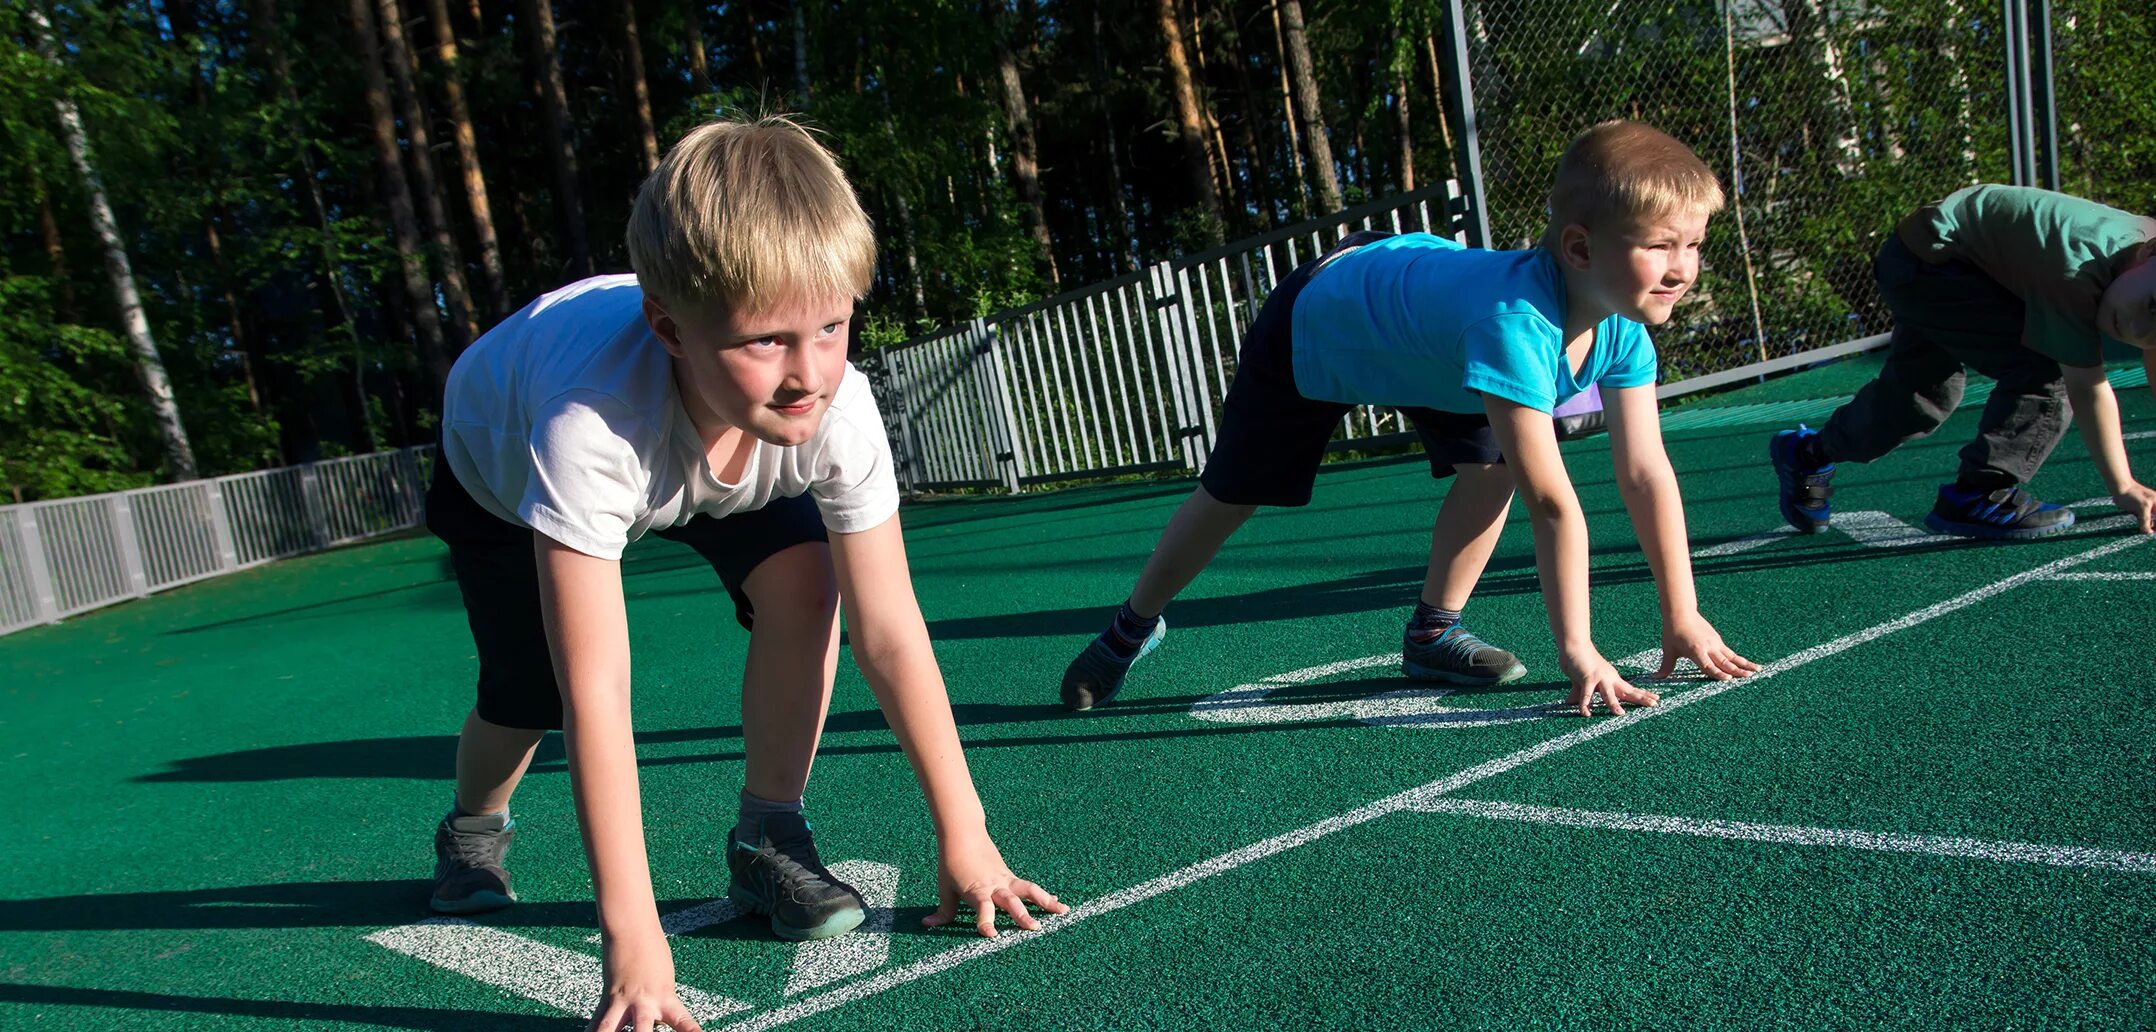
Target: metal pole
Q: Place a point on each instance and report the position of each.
(2017, 92)
(1458, 72)
(2043, 100)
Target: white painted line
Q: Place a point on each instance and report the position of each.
(975, 949)
(2122, 575)
(820, 963)
(2138, 435)
(2087, 503)
(1410, 707)
(1744, 544)
(1885, 842)
(562, 979)
(1879, 530)
(696, 918)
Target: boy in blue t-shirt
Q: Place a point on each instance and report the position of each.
(1475, 348)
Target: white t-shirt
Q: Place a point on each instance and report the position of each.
(565, 418)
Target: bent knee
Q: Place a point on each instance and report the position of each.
(794, 584)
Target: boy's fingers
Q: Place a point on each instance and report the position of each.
(1042, 898)
(984, 912)
(607, 1020)
(946, 909)
(1610, 699)
(678, 1019)
(1669, 664)
(1015, 905)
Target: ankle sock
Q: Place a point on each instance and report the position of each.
(748, 827)
(1429, 622)
(1812, 452)
(1128, 631)
(465, 821)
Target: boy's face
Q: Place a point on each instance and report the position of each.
(770, 373)
(2128, 309)
(1638, 268)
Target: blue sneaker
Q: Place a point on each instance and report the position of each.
(1094, 678)
(1457, 657)
(1806, 490)
(2008, 512)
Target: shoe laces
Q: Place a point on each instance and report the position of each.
(475, 848)
(792, 875)
(1458, 644)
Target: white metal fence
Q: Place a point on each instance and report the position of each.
(68, 555)
(1122, 377)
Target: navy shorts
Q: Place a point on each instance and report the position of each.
(498, 574)
(1271, 439)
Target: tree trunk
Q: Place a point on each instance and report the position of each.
(801, 53)
(1216, 142)
(1190, 126)
(181, 15)
(756, 42)
(268, 33)
(1437, 93)
(397, 194)
(1306, 101)
(1287, 111)
(475, 180)
(413, 108)
(1025, 161)
(632, 49)
(1125, 234)
(544, 61)
(699, 58)
(48, 228)
(1403, 67)
(149, 364)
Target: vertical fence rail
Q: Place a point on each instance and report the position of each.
(66, 556)
(1124, 377)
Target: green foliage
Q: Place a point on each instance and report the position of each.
(1848, 112)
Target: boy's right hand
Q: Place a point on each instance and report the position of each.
(1592, 677)
(639, 993)
(2139, 502)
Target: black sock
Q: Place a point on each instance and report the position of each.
(1429, 622)
(1812, 451)
(1984, 481)
(1128, 631)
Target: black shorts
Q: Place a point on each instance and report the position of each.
(1271, 438)
(498, 574)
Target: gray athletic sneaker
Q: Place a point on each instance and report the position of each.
(1457, 657)
(780, 875)
(1094, 678)
(468, 855)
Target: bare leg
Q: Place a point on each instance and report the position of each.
(490, 761)
(1193, 537)
(784, 696)
(1468, 526)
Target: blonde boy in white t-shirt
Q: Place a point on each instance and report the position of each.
(706, 399)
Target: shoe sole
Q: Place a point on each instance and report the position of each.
(1418, 672)
(1992, 533)
(1078, 700)
(476, 903)
(837, 924)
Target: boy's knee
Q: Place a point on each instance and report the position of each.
(797, 584)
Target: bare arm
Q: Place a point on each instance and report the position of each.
(1649, 488)
(1528, 439)
(890, 642)
(2096, 410)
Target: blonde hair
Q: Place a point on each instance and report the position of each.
(1622, 170)
(745, 214)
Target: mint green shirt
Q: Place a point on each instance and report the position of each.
(2055, 252)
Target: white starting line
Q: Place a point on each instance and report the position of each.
(570, 981)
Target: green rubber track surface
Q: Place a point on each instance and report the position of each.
(1931, 810)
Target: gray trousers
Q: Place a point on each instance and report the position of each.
(1948, 317)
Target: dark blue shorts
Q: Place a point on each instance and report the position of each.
(1271, 439)
(498, 574)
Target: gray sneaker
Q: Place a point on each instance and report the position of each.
(780, 875)
(468, 855)
(1094, 678)
(1457, 657)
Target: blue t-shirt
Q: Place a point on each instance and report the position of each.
(1420, 321)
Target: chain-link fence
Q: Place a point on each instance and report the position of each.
(1827, 119)
(2104, 67)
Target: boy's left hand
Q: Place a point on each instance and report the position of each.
(2139, 502)
(1692, 637)
(972, 873)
